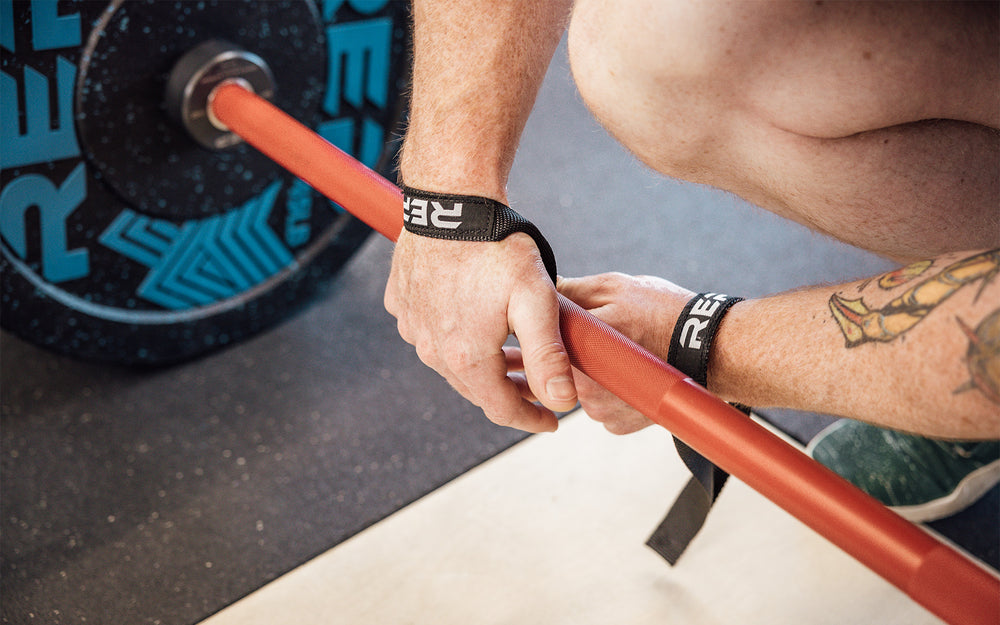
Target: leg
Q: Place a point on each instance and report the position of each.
(875, 123)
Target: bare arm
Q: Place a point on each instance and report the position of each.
(477, 69)
(478, 65)
(917, 349)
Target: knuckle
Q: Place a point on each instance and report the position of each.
(551, 355)
(390, 303)
(521, 243)
(411, 332)
(611, 282)
(617, 428)
(626, 424)
(427, 354)
(591, 396)
(403, 329)
(502, 418)
(458, 359)
(592, 401)
(599, 410)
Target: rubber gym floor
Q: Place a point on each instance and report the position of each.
(318, 473)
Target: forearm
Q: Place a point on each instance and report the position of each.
(478, 65)
(910, 350)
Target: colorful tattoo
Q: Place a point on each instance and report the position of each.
(861, 324)
(983, 357)
(899, 276)
(902, 276)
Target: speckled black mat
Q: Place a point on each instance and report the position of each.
(162, 496)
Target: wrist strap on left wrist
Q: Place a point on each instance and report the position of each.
(469, 218)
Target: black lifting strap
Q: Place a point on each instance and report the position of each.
(688, 513)
(689, 350)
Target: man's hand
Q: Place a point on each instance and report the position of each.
(457, 303)
(642, 308)
(477, 68)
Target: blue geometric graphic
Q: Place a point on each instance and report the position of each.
(202, 261)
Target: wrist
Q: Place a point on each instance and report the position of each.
(729, 376)
(436, 166)
(468, 218)
(695, 331)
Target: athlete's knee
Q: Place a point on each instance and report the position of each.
(663, 77)
(672, 37)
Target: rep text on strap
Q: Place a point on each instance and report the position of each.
(469, 218)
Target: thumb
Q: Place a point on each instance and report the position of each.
(535, 320)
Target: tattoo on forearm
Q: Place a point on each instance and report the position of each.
(861, 324)
(983, 357)
(900, 276)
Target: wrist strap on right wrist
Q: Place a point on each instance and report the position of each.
(694, 333)
(690, 345)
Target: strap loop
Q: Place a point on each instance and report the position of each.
(469, 218)
(690, 345)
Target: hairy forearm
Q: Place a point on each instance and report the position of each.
(478, 65)
(916, 349)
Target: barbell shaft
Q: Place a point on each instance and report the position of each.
(934, 574)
